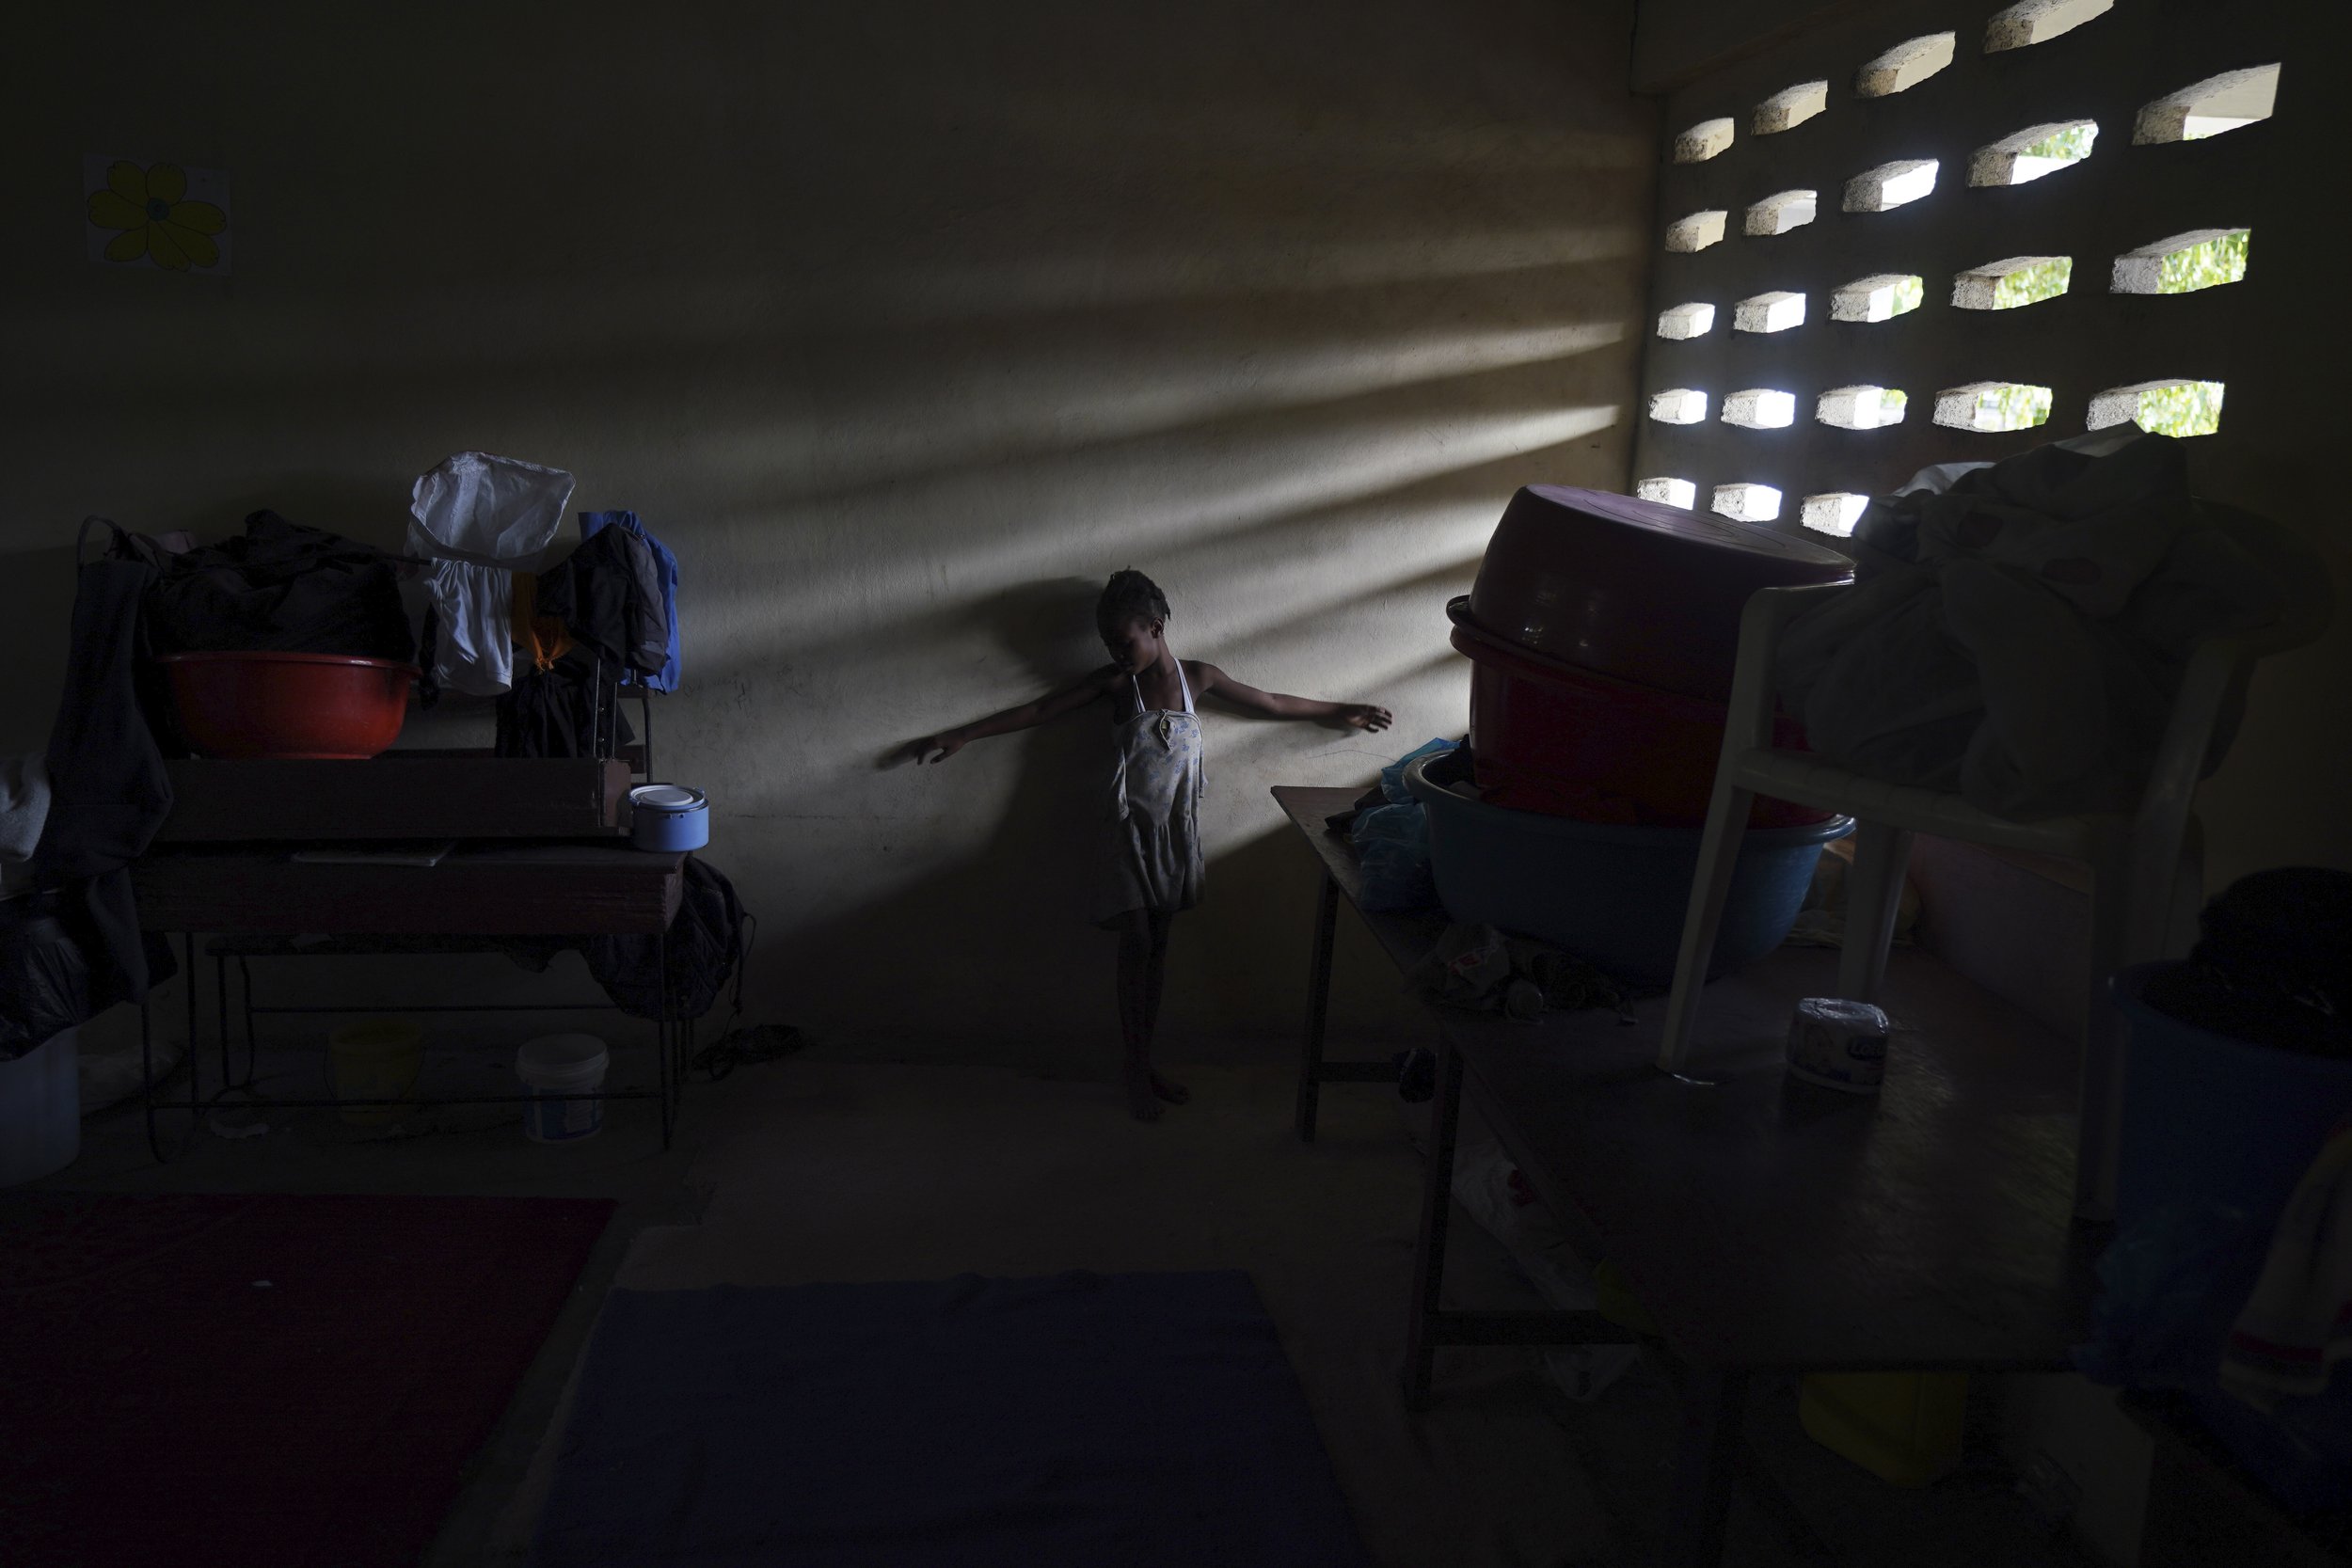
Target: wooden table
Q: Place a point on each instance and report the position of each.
(1765, 1224)
(479, 892)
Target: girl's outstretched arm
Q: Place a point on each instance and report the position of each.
(1067, 699)
(1210, 681)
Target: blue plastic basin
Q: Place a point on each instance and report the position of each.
(1613, 895)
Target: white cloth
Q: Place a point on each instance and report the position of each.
(2297, 1325)
(491, 511)
(476, 652)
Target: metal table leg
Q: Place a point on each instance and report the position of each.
(221, 1010)
(1318, 1007)
(147, 1078)
(253, 1047)
(149, 1103)
(664, 1040)
(1437, 1209)
(1713, 1401)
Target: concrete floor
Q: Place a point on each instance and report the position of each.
(826, 1169)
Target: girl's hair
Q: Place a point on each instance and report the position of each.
(1129, 597)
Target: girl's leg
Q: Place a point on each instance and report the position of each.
(1136, 970)
(1154, 976)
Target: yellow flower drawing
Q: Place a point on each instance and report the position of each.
(147, 205)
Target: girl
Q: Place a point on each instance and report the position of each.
(1149, 856)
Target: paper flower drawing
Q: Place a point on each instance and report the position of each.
(157, 214)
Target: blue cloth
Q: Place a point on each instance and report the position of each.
(1073, 1421)
(593, 523)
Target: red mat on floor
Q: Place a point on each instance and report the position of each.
(162, 1404)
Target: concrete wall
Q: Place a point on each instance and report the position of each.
(904, 325)
(1677, 41)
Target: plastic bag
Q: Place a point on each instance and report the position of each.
(491, 511)
(2169, 1285)
(1393, 847)
(1393, 776)
(45, 977)
(1392, 842)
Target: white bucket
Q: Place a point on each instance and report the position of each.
(40, 1110)
(562, 1063)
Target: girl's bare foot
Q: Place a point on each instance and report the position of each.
(1140, 1085)
(1169, 1090)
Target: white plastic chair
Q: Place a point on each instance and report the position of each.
(2146, 868)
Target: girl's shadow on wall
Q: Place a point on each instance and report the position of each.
(1007, 928)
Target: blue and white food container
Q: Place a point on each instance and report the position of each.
(1838, 1044)
(668, 816)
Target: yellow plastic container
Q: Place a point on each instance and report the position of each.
(1614, 1299)
(1902, 1427)
(377, 1058)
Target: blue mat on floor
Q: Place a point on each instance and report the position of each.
(1083, 1419)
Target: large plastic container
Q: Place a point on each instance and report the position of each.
(1634, 589)
(1615, 896)
(1553, 737)
(40, 1110)
(2207, 1118)
(376, 1058)
(562, 1065)
(274, 704)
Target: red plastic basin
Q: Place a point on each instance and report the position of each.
(1548, 737)
(1634, 589)
(269, 704)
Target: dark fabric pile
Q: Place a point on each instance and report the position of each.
(2273, 964)
(2018, 632)
(281, 588)
(571, 710)
(1483, 969)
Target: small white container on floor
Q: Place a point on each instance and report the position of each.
(40, 1110)
(1838, 1044)
(556, 1065)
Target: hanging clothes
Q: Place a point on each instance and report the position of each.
(1150, 857)
(666, 565)
(608, 593)
(707, 944)
(475, 651)
(108, 789)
